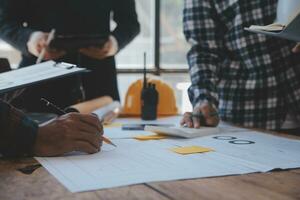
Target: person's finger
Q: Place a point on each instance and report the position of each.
(54, 51)
(87, 127)
(296, 49)
(96, 49)
(107, 46)
(198, 117)
(187, 120)
(196, 120)
(99, 54)
(88, 53)
(212, 121)
(182, 121)
(92, 130)
(42, 42)
(94, 52)
(52, 55)
(91, 120)
(210, 115)
(85, 147)
(40, 47)
(93, 139)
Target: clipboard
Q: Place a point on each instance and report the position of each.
(75, 42)
(31, 75)
(289, 32)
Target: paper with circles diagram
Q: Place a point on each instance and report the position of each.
(236, 151)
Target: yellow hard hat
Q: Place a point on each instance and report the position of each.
(166, 103)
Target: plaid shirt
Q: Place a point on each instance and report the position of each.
(17, 132)
(253, 79)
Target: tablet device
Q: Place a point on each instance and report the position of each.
(75, 42)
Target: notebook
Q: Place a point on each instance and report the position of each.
(183, 132)
(291, 31)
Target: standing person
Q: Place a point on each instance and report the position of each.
(243, 78)
(26, 24)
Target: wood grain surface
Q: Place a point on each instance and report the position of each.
(278, 185)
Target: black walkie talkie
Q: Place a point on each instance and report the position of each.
(149, 98)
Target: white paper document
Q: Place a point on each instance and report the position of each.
(112, 107)
(235, 152)
(35, 73)
(183, 131)
(270, 27)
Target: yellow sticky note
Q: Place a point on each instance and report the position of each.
(149, 137)
(113, 125)
(191, 150)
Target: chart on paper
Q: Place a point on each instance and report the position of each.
(234, 152)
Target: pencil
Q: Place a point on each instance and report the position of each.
(108, 141)
(42, 54)
(61, 112)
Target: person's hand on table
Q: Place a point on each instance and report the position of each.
(110, 48)
(193, 120)
(70, 132)
(37, 42)
(296, 49)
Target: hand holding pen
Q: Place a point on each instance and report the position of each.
(38, 46)
(97, 121)
(68, 133)
(202, 115)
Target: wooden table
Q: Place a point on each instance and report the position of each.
(40, 185)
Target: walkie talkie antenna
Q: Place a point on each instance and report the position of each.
(145, 72)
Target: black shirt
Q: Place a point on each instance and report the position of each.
(19, 18)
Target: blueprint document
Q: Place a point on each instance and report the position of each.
(236, 151)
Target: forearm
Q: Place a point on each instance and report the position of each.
(18, 133)
(202, 31)
(126, 18)
(204, 78)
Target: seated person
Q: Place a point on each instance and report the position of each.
(20, 136)
(247, 79)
